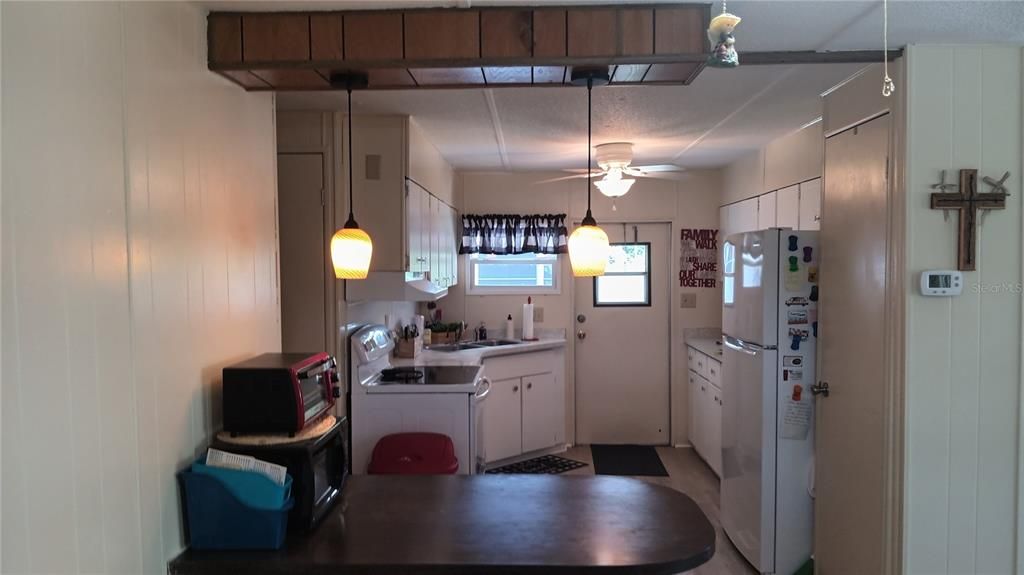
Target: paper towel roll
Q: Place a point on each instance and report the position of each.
(528, 319)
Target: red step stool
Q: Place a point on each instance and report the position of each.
(414, 454)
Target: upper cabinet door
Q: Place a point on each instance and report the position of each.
(810, 205)
(456, 225)
(434, 234)
(766, 211)
(743, 216)
(416, 204)
(787, 207)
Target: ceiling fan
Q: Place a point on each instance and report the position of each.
(614, 160)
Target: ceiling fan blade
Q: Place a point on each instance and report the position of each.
(658, 168)
(583, 171)
(663, 175)
(563, 178)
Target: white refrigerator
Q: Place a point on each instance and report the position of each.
(769, 324)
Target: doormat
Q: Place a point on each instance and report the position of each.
(627, 460)
(545, 464)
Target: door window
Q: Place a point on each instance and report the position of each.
(627, 278)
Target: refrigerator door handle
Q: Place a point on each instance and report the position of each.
(740, 346)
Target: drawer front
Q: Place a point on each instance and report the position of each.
(702, 364)
(714, 372)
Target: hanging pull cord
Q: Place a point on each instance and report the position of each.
(590, 88)
(888, 86)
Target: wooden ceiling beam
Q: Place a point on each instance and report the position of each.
(485, 46)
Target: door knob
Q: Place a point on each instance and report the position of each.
(820, 388)
(581, 334)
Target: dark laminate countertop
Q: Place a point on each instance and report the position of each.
(487, 524)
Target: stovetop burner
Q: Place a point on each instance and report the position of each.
(401, 375)
(429, 375)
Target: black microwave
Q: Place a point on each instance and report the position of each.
(318, 467)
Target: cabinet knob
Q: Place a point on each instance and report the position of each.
(529, 386)
(515, 388)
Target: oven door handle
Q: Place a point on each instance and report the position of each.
(480, 395)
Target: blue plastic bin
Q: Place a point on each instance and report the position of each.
(233, 510)
(253, 489)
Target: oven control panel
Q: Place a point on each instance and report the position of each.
(372, 342)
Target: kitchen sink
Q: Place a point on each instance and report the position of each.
(494, 342)
(452, 347)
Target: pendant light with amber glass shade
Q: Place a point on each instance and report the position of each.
(588, 244)
(351, 247)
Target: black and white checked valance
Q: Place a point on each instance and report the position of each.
(514, 234)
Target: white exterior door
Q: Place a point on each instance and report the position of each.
(622, 345)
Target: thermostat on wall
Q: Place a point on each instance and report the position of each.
(941, 282)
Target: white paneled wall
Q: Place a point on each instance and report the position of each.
(139, 257)
(964, 353)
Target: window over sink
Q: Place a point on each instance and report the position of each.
(517, 274)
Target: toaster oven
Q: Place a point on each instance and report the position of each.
(278, 392)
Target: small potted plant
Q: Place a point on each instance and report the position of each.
(444, 333)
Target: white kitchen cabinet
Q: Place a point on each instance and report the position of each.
(713, 427)
(417, 210)
(528, 411)
(810, 205)
(766, 211)
(402, 185)
(744, 216)
(787, 208)
(452, 253)
(543, 425)
(693, 427)
(704, 394)
(503, 422)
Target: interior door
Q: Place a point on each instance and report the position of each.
(622, 345)
(849, 516)
(303, 240)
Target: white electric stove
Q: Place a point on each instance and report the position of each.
(436, 398)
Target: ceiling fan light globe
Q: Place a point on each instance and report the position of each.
(614, 188)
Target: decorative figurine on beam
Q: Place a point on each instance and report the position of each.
(723, 44)
(967, 201)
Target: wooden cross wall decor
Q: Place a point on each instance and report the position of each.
(967, 201)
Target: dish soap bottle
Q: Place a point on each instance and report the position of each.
(510, 328)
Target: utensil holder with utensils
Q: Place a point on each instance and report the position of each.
(409, 348)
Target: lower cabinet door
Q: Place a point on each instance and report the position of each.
(714, 429)
(693, 409)
(542, 425)
(503, 423)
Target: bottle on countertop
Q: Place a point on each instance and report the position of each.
(481, 332)
(510, 328)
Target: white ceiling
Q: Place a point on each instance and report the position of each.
(718, 118)
(722, 115)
